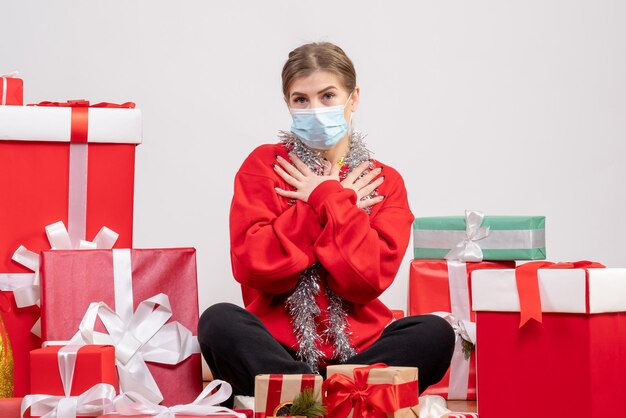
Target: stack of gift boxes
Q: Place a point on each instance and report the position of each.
(534, 338)
(88, 326)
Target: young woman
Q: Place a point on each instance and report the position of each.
(318, 230)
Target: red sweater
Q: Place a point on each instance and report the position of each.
(273, 242)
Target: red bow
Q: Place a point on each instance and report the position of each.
(85, 103)
(528, 285)
(343, 394)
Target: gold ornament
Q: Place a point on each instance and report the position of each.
(6, 363)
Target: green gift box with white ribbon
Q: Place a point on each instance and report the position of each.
(475, 237)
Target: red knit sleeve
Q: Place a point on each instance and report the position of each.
(271, 243)
(362, 252)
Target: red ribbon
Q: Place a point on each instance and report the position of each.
(80, 115)
(343, 394)
(85, 103)
(527, 282)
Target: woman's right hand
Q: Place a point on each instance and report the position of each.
(364, 185)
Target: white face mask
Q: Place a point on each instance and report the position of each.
(320, 128)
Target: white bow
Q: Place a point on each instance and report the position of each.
(131, 403)
(468, 249)
(59, 239)
(96, 401)
(143, 337)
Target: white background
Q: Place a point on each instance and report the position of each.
(510, 107)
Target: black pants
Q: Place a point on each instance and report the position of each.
(237, 347)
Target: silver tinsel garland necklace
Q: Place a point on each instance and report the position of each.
(301, 305)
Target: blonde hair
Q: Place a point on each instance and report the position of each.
(318, 56)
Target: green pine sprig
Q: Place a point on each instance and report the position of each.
(306, 405)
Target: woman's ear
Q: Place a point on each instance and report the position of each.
(354, 99)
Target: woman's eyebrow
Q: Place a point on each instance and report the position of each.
(297, 93)
(326, 89)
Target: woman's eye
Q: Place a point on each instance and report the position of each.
(299, 100)
(328, 96)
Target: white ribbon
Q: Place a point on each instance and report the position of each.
(9, 282)
(5, 86)
(145, 336)
(459, 365)
(130, 403)
(432, 406)
(460, 315)
(95, 401)
(468, 249)
(77, 193)
(28, 293)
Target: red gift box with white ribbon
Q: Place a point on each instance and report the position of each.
(70, 381)
(142, 301)
(443, 287)
(11, 90)
(552, 340)
(59, 162)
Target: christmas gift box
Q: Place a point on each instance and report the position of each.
(274, 391)
(71, 164)
(126, 298)
(11, 90)
(476, 237)
(376, 390)
(443, 287)
(93, 364)
(71, 380)
(552, 340)
(207, 404)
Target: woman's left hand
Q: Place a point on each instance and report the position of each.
(301, 177)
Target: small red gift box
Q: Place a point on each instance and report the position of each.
(11, 90)
(94, 364)
(443, 286)
(577, 352)
(272, 390)
(124, 279)
(46, 173)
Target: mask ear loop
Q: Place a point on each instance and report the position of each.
(350, 130)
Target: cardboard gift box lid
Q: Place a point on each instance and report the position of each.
(47, 123)
(593, 290)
